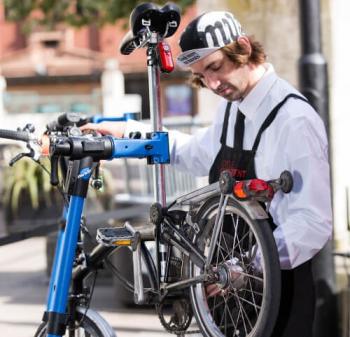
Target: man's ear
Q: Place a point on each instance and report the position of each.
(244, 43)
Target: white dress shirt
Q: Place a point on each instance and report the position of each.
(295, 141)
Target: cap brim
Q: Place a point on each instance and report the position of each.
(194, 55)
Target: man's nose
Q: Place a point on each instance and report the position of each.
(212, 82)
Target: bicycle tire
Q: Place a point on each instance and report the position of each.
(90, 322)
(243, 311)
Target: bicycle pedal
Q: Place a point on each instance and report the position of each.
(117, 236)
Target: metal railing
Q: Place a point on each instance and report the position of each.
(32, 102)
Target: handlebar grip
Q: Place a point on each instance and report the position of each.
(15, 135)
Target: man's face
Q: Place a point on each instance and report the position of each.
(222, 76)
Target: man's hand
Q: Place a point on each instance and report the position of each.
(115, 129)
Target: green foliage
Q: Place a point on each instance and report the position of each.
(26, 183)
(26, 178)
(76, 13)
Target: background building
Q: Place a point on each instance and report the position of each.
(82, 70)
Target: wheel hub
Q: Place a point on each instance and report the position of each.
(231, 276)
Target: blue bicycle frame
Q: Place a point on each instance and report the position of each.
(126, 116)
(156, 149)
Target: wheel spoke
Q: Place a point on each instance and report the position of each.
(244, 313)
(250, 303)
(226, 249)
(257, 293)
(241, 314)
(217, 305)
(236, 307)
(252, 276)
(224, 252)
(230, 314)
(251, 291)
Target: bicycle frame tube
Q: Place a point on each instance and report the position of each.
(56, 313)
(58, 249)
(63, 269)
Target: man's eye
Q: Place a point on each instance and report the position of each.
(216, 67)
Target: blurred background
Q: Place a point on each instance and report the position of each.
(59, 56)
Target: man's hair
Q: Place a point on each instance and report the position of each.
(239, 55)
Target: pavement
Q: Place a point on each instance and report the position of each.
(23, 286)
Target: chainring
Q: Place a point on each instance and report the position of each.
(175, 315)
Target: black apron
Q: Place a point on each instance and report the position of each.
(297, 305)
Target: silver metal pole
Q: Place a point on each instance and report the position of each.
(156, 117)
(156, 120)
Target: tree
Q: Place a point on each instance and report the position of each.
(76, 13)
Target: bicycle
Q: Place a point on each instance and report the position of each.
(216, 256)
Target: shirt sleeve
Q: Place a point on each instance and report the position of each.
(192, 153)
(303, 217)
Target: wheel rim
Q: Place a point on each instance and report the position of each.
(236, 306)
(81, 330)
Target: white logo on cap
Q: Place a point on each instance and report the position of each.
(220, 28)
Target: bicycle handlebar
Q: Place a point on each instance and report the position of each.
(58, 127)
(76, 119)
(155, 148)
(15, 135)
(67, 119)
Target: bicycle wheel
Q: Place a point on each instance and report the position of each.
(88, 324)
(244, 301)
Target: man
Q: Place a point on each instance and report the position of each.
(263, 126)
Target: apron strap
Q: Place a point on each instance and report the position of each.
(224, 128)
(270, 118)
(239, 131)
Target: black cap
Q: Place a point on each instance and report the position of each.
(206, 34)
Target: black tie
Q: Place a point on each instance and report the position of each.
(239, 130)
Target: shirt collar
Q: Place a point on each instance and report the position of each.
(251, 102)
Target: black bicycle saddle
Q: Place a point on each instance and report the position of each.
(163, 20)
(150, 17)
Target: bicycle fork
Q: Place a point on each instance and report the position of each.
(56, 313)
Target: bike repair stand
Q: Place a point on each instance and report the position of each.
(149, 26)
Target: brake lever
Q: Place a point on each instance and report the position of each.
(19, 156)
(33, 145)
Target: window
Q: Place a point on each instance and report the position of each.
(178, 100)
